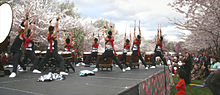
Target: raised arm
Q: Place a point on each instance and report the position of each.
(34, 29)
(104, 34)
(112, 29)
(134, 29)
(139, 27)
(98, 39)
(69, 36)
(65, 39)
(57, 38)
(130, 37)
(26, 23)
(56, 27)
(49, 24)
(160, 32)
(73, 41)
(125, 38)
(93, 38)
(158, 36)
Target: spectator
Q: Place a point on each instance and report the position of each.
(181, 87)
(206, 65)
(187, 67)
(213, 82)
(215, 65)
(4, 59)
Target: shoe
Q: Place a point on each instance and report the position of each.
(21, 70)
(83, 64)
(153, 67)
(10, 66)
(116, 66)
(146, 68)
(78, 64)
(123, 70)
(63, 73)
(95, 70)
(19, 67)
(35, 71)
(128, 68)
(13, 74)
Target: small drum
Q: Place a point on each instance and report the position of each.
(37, 51)
(129, 53)
(100, 53)
(86, 53)
(43, 52)
(66, 54)
(119, 53)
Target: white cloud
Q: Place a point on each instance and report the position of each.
(124, 12)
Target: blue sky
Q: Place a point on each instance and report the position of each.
(124, 12)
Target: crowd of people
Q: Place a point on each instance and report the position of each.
(193, 66)
(199, 65)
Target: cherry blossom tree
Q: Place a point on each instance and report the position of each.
(202, 19)
(43, 11)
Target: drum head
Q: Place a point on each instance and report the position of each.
(5, 20)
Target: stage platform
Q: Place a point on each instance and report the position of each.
(102, 83)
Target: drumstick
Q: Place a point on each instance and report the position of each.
(104, 23)
(30, 8)
(110, 22)
(32, 16)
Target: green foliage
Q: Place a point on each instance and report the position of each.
(70, 6)
(100, 24)
(78, 36)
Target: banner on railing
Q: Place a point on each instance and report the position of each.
(158, 84)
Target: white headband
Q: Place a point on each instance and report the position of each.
(22, 27)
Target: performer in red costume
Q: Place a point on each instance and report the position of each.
(29, 47)
(158, 49)
(16, 46)
(68, 45)
(109, 49)
(136, 49)
(127, 45)
(95, 45)
(52, 46)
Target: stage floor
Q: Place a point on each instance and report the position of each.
(103, 83)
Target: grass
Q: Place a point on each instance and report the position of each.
(192, 90)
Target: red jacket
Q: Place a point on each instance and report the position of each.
(181, 87)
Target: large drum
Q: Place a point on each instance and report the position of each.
(100, 53)
(106, 63)
(119, 54)
(148, 57)
(85, 54)
(135, 61)
(128, 56)
(5, 25)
